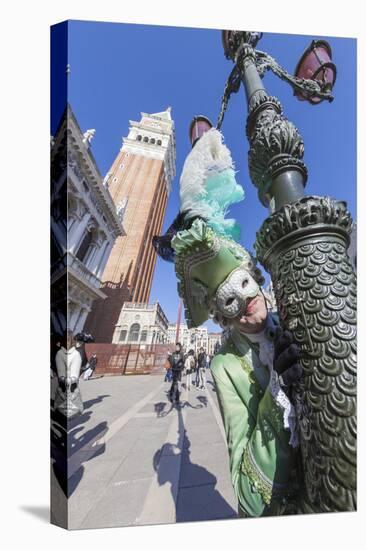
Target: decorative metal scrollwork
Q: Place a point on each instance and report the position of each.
(312, 88)
(241, 49)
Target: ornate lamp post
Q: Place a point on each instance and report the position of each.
(303, 245)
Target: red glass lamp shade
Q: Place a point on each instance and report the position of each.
(199, 125)
(316, 64)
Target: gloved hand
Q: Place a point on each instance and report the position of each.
(286, 359)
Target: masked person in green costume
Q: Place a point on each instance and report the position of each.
(254, 370)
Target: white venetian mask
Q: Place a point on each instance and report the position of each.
(231, 298)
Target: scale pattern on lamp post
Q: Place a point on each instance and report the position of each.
(303, 245)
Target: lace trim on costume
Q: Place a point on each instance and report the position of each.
(260, 482)
(288, 410)
(266, 350)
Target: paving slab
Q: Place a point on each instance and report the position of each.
(153, 462)
(120, 505)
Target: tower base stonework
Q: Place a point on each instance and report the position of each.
(304, 248)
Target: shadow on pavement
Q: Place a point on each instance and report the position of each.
(196, 501)
(69, 452)
(202, 399)
(159, 408)
(212, 384)
(91, 402)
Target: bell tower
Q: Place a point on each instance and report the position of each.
(139, 182)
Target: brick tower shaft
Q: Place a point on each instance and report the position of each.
(139, 181)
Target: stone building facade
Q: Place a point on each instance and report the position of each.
(194, 338)
(141, 323)
(84, 224)
(214, 342)
(139, 181)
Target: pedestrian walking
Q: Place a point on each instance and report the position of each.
(189, 365)
(176, 360)
(201, 369)
(196, 371)
(168, 371)
(82, 338)
(68, 364)
(91, 367)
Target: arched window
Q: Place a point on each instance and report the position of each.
(146, 139)
(139, 137)
(159, 142)
(134, 332)
(84, 247)
(123, 335)
(152, 140)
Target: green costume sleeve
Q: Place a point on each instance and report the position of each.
(261, 458)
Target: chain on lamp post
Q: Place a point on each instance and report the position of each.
(303, 245)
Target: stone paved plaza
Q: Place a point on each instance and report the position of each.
(134, 459)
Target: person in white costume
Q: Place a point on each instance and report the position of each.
(189, 368)
(68, 365)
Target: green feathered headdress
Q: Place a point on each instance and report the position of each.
(203, 261)
(202, 240)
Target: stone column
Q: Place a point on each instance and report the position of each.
(81, 319)
(91, 256)
(104, 259)
(75, 237)
(99, 258)
(73, 315)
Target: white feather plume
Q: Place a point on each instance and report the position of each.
(207, 156)
(208, 186)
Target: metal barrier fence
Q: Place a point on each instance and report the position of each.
(120, 359)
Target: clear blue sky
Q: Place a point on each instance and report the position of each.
(119, 70)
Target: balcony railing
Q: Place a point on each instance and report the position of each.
(76, 265)
(139, 305)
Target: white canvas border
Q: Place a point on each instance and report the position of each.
(25, 208)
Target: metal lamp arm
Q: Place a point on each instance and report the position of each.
(265, 62)
(231, 87)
